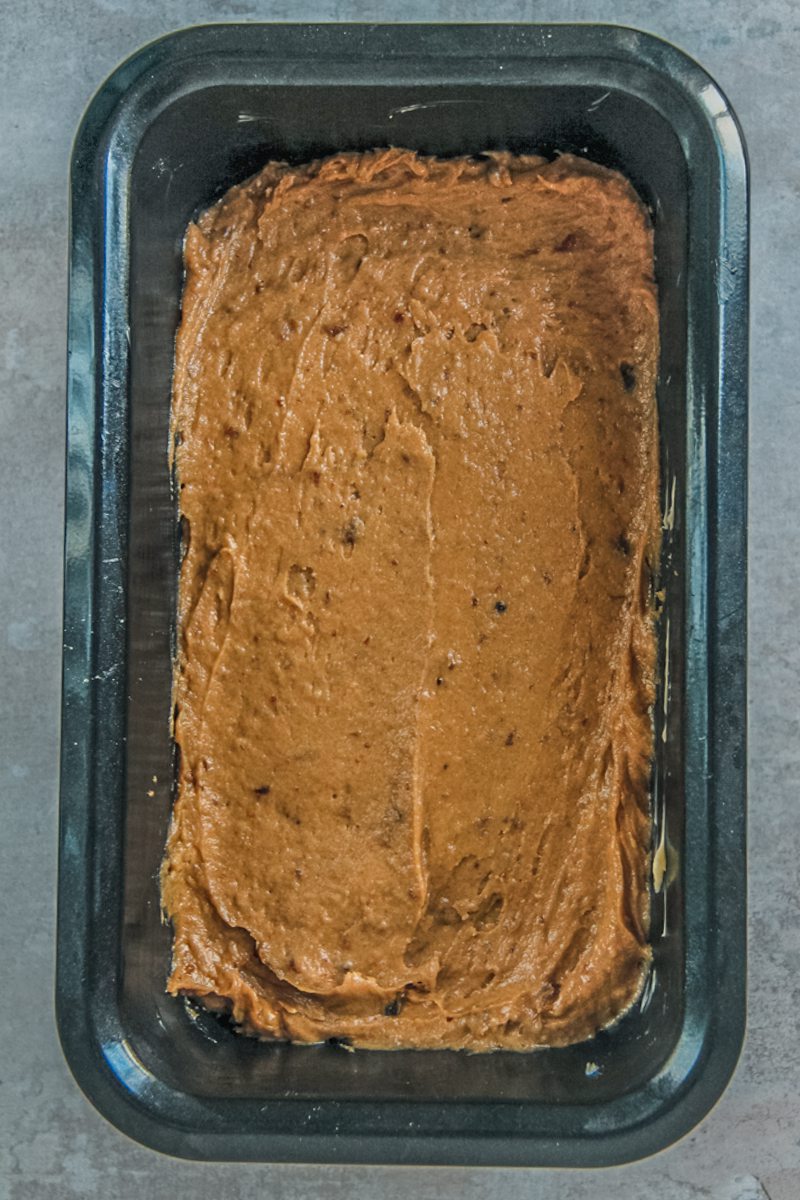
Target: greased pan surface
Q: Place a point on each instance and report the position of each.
(167, 134)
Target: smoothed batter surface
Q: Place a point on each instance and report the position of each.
(414, 407)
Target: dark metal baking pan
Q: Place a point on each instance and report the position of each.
(167, 134)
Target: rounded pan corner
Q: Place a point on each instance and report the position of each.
(106, 97)
(90, 1070)
(699, 87)
(111, 1078)
(100, 106)
(689, 1094)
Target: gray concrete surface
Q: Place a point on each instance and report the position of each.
(53, 1146)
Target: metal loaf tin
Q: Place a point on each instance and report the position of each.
(166, 135)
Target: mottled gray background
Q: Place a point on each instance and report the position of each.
(53, 1146)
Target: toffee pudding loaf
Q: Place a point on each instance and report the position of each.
(417, 450)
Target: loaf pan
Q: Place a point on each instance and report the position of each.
(166, 135)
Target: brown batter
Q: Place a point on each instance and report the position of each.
(417, 450)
